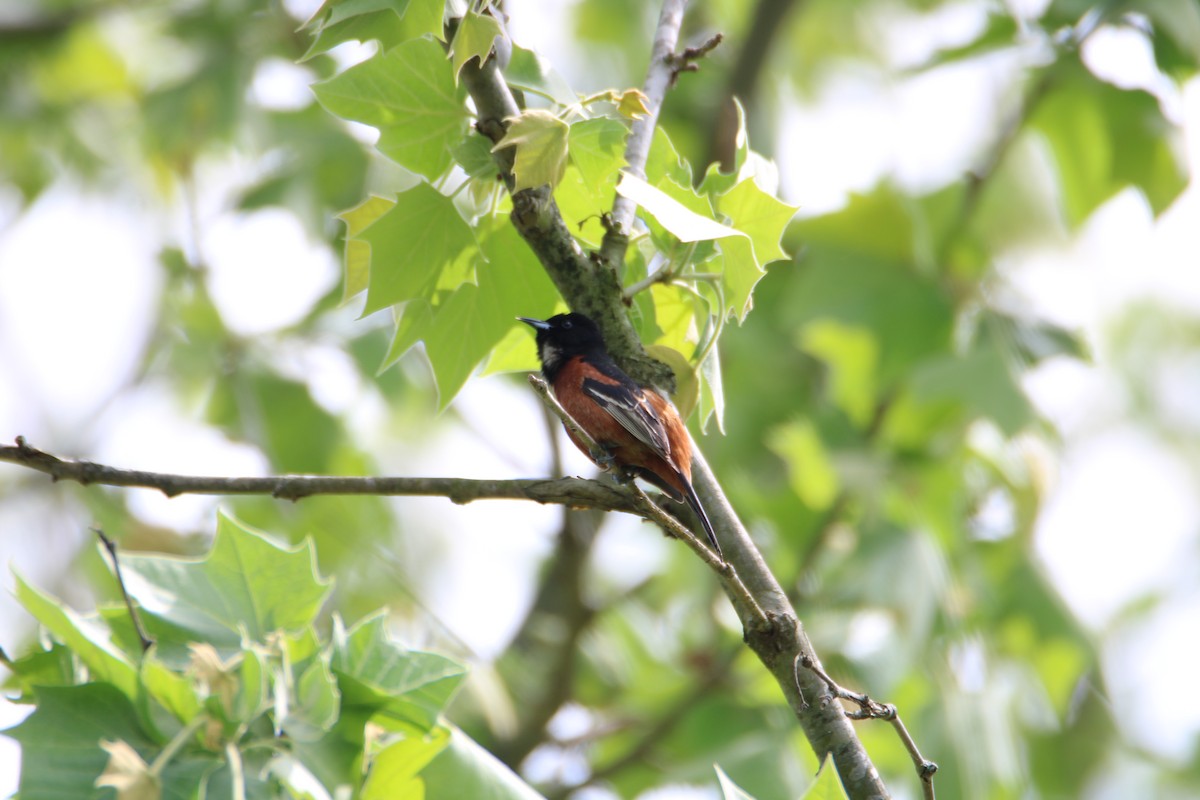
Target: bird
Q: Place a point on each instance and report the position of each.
(636, 426)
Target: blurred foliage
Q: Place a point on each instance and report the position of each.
(877, 439)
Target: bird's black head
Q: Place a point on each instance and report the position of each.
(563, 336)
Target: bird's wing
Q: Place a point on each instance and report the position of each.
(633, 411)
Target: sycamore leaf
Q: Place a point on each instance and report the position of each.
(758, 215)
(474, 39)
(376, 672)
(541, 142)
(740, 273)
(60, 741)
(685, 224)
(394, 770)
(410, 95)
(475, 318)
(420, 244)
(358, 252)
(91, 644)
(245, 584)
(631, 103)
(391, 22)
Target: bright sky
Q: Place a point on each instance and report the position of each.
(1095, 537)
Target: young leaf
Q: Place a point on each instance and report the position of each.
(245, 583)
(541, 142)
(474, 39)
(410, 95)
(631, 103)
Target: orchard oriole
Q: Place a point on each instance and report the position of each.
(638, 427)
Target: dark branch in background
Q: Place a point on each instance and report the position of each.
(576, 492)
(776, 636)
(743, 83)
(111, 547)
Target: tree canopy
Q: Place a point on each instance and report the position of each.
(861, 379)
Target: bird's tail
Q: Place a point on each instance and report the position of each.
(689, 495)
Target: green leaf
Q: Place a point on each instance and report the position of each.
(684, 223)
(474, 155)
(464, 769)
(853, 358)
(394, 770)
(475, 318)
(758, 215)
(60, 741)
(410, 95)
(597, 148)
(358, 252)
(171, 690)
(828, 784)
(980, 383)
(474, 39)
(810, 470)
(541, 142)
(909, 316)
(314, 709)
(245, 583)
(527, 70)
(53, 667)
(420, 244)
(740, 273)
(729, 789)
(391, 22)
(413, 324)
(375, 671)
(92, 645)
(1104, 139)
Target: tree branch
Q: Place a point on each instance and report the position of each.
(575, 492)
(772, 628)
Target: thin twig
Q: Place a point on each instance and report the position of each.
(111, 547)
(686, 61)
(873, 709)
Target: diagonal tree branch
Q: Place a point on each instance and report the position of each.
(777, 636)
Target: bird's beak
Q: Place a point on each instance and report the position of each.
(540, 325)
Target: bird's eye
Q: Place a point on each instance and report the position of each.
(566, 324)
